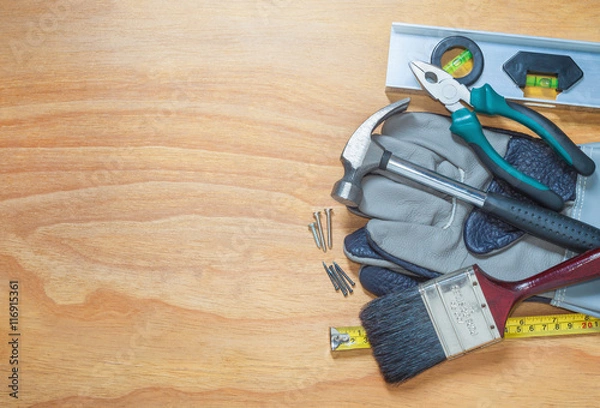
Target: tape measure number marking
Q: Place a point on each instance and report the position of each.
(355, 337)
(348, 338)
(552, 325)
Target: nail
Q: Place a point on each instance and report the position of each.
(315, 234)
(344, 274)
(317, 215)
(340, 281)
(331, 278)
(343, 283)
(329, 232)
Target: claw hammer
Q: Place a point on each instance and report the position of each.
(360, 156)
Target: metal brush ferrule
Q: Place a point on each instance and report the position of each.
(459, 312)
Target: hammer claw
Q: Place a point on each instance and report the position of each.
(357, 158)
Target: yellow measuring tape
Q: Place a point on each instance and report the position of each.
(355, 338)
(552, 325)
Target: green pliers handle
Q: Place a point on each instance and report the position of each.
(485, 100)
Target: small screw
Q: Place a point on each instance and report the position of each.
(317, 215)
(329, 232)
(315, 234)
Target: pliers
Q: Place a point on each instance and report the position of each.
(444, 88)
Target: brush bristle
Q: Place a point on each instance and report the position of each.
(403, 339)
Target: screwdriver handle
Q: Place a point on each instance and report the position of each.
(543, 223)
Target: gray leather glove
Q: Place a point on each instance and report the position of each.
(421, 233)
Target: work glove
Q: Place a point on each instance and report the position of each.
(415, 233)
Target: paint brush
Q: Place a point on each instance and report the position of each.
(417, 328)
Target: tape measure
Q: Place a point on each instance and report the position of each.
(348, 338)
(355, 337)
(551, 325)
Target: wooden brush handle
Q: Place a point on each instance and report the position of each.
(575, 270)
(503, 296)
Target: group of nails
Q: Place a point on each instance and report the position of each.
(339, 279)
(317, 230)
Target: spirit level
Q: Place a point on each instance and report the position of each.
(500, 51)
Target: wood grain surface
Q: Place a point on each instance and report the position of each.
(159, 164)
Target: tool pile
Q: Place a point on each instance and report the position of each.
(464, 222)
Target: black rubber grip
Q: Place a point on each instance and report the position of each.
(580, 161)
(545, 197)
(545, 224)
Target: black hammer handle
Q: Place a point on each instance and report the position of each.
(543, 223)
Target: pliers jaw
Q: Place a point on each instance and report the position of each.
(441, 85)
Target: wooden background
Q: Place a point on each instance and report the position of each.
(159, 164)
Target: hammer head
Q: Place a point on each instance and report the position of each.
(360, 156)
